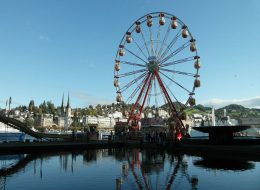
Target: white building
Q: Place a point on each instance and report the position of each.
(44, 120)
(163, 114)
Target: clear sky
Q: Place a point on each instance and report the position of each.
(48, 47)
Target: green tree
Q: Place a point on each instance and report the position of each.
(51, 108)
(31, 106)
(99, 109)
(43, 107)
(29, 122)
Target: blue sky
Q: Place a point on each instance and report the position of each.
(48, 47)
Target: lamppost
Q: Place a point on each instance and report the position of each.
(110, 124)
(6, 127)
(87, 123)
(10, 100)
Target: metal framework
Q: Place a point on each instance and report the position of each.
(156, 64)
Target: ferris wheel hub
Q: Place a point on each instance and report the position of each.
(153, 64)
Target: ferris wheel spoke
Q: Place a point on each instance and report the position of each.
(164, 40)
(178, 50)
(135, 91)
(146, 46)
(135, 55)
(179, 72)
(137, 102)
(148, 87)
(133, 94)
(177, 61)
(128, 85)
(176, 83)
(151, 40)
(150, 90)
(130, 73)
(162, 53)
(157, 38)
(131, 63)
(155, 93)
(138, 46)
(169, 100)
(165, 96)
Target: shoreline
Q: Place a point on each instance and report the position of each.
(246, 151)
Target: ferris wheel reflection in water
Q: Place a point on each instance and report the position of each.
(147, 167)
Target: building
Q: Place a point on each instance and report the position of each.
(102, 123)
(64, 119)
(163, 114)
(68, 119)
(44, 120)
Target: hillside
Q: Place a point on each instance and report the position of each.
(234, 111)
(237, 111)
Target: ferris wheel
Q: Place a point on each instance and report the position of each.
(156, 64)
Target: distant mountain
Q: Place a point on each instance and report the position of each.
(202, 108)
(237, 111)
(233, 110)
(177, 105)
(233, 107)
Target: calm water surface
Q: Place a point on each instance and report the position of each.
(125, 169)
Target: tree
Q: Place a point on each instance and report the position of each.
(43, 107)
(29, 122)
(99, 109)
(31, 106)
(51, 108)
(40, 111)
(84, 111)
(201, 108)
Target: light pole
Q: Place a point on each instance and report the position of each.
(110, 117)
(10, 100)
(6, 127)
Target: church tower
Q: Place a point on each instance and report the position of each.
(68, 108)
(62, 109)
(67, 115)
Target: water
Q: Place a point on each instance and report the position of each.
(125, 169)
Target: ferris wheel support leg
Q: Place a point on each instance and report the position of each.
(145, 97)
(132, 115)
(174, 111)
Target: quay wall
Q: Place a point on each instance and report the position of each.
(249, 151)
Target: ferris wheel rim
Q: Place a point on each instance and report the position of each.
(166, 13)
